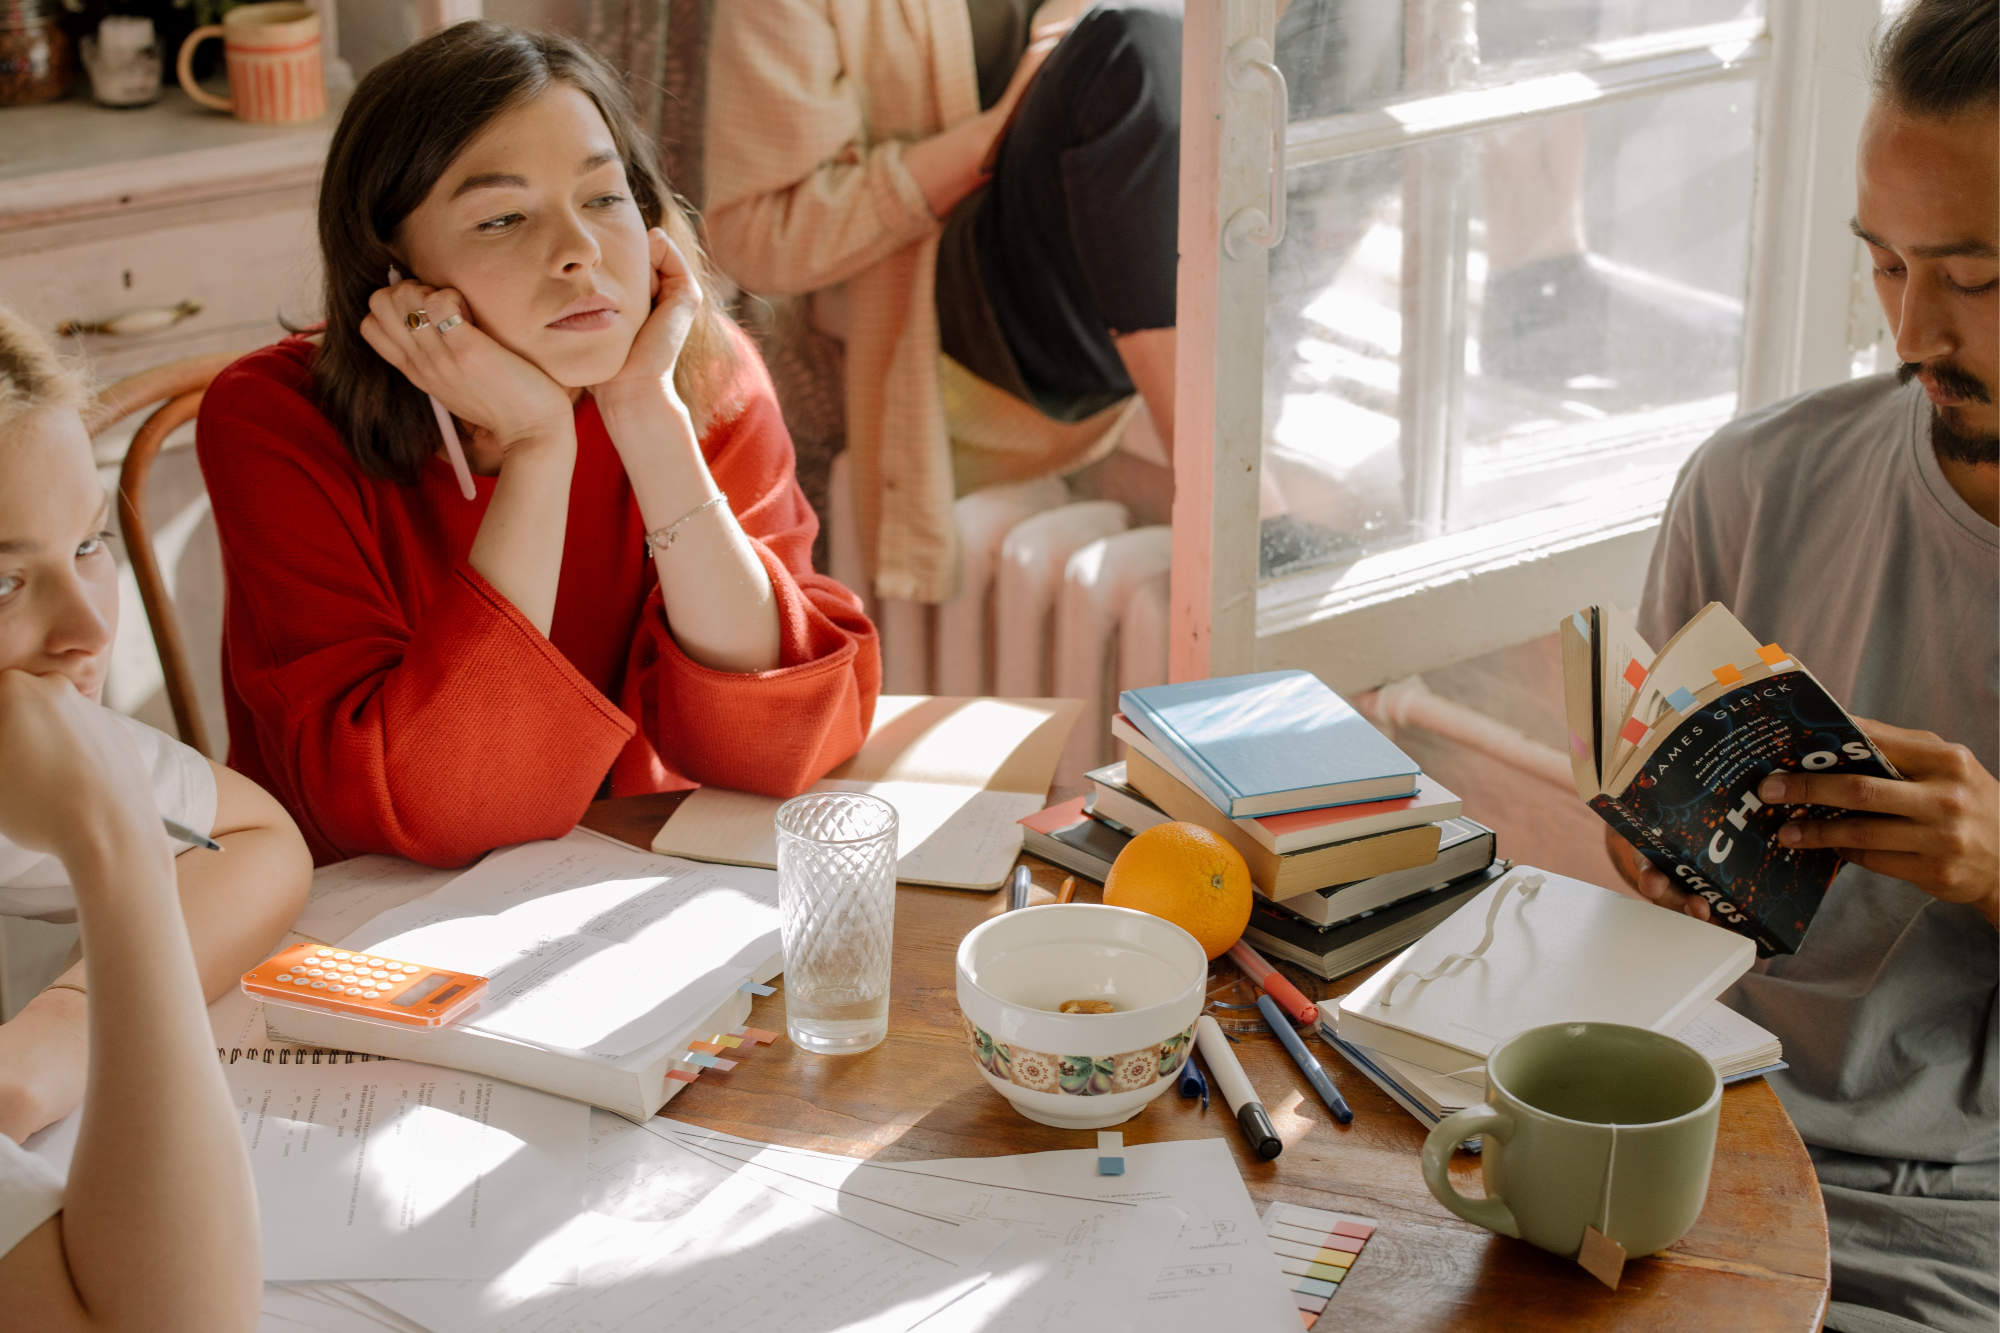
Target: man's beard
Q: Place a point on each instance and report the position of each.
(1953, 444)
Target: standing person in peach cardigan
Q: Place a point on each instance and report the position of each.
(983, 178)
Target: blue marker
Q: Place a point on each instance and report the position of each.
(1303, 1058)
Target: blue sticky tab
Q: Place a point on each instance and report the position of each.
(1111, 1166)
(1681, 700)
(755, 989)
(699, 1058)
(1582, 625)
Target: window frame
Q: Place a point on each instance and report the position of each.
(1387, 615)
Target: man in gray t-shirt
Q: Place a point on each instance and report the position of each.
(1856, 527)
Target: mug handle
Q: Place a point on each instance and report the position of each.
(184, 67)
(1491, 1213)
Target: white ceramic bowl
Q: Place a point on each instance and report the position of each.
(1080, 1071)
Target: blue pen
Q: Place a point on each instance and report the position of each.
(1303, 1058)
(182, 833)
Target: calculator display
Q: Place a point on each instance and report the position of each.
(365, 985)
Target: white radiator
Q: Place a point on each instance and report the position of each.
(1055, 598)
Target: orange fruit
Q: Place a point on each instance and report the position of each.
(1186, 875)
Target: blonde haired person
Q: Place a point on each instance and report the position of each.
(58, 614)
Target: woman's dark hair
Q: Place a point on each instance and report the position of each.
(1941, 57)
(406, 123)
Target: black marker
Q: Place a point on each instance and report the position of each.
(1236, 1089)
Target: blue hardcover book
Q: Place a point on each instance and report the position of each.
(1268, 743)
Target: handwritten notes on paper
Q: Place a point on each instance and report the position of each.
(398, 1170)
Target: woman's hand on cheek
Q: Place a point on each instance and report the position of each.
(676, 300)
(501, 394)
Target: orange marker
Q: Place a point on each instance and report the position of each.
(1279, 989)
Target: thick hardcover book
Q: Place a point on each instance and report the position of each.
(1341, 949)
(1676, 770)
(1270, 742)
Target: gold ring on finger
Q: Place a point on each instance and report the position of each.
(448, 323)
(416, 319)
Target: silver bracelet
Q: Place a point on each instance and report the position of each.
(660, 539)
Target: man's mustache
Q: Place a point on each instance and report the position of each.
(1954, 380)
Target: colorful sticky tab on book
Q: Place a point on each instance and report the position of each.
(1635, 675)
(1577, 743)
(699, 1058)
(1582, 625)
(1633, 731)
(1773, 656)
(1681, 699)
(1110, 1153)
(756, 989)
(1316, 1250)
(1726, 674)
(755, 1036)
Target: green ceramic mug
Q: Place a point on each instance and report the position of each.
(1587, 1125)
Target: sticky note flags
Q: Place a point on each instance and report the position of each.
(1576, 743)
(697, 1058)
(755, 989)
(1633, 731)
(1727, 674)
(1635, 675)
(755, 1036)
(1110, 1153)
(683, 1075)
(708, 1047)
(1772, 654)
(1316, 1250)
(725, 1065)
(1681, 699)
(726, 1039)
(1582, 625)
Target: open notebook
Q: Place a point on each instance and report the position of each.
(960, 771)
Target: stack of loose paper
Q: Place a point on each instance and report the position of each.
(960, 772)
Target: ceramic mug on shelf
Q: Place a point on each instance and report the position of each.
(272, 52)
(1587, 1125)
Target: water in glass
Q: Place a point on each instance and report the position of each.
(837, 897)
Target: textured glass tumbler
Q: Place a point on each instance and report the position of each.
(837, 898)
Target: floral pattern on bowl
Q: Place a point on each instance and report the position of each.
(1079, 1075)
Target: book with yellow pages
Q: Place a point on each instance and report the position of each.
(1669, 748)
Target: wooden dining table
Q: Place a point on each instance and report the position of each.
(1756, 1259)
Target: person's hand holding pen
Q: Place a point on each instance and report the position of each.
(508, 402)
(75, 783)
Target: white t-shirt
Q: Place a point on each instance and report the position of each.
(31, 1192)
(36, 884)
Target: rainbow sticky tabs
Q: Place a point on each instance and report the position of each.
(1110, 1153)
(1635, 675)
(726, 1039)
(707, 1047)
(1681, 699)
(755, 1036)
(755, 989)
(683, 1075)
(1772, 654)
(697, 1058)
(1633, 731)
(1727, 674)
(1576, 743)
(725, 1065)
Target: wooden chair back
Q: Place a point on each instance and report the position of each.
(181, 384)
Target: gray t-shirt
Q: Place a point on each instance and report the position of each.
(1826, 526)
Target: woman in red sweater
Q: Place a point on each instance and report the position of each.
(622, 598)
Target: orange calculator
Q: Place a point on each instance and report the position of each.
(363, 985)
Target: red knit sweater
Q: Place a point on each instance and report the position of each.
(395, 702)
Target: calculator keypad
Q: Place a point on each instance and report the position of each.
(355, 976)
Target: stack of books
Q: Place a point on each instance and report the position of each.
(1422, 1027)
(1354, 852)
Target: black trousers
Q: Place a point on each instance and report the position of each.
(1074, 238)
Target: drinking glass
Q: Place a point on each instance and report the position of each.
(837, 898)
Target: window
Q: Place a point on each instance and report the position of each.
(1532, 253)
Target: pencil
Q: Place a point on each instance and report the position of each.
(1303, 1058)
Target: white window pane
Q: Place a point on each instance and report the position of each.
(1512, 31)
(1476, 328)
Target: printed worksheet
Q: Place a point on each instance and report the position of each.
(398, 1170)
(1075, 1261)
(1219, 1273)
(347, 895)
(581, 937)
(675, 1239)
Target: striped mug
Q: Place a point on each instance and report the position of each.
(273, 55)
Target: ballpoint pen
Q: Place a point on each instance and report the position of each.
(1304, 1059)
(182, 833)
